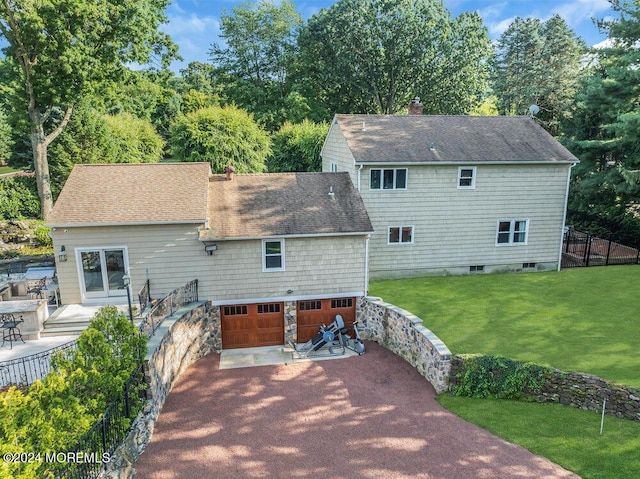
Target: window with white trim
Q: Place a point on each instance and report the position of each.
(466, 177)
(273, 255)
(400, 235)
(388, 179)
(512, 232)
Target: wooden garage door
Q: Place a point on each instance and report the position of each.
(312, 314)
(252, 325)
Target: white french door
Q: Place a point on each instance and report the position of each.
(101, 271)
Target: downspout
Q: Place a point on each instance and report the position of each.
(359, 170)
(366, 265)
(564, 215)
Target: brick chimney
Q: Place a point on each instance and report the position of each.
(229, 171)
(415, 107)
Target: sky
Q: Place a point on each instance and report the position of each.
(195, 24)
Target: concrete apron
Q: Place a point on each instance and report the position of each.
(270, 355)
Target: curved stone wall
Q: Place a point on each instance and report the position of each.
(403, 333)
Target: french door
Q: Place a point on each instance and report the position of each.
(101, 272)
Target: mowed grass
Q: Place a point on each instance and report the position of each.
(585, 320)
(567, 436)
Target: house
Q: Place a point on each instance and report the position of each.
(454, 194)
(275, 254)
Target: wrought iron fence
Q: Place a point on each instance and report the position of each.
(168, 305)
(23, 371)
(99, 443)
(144, 296)
(583, 249)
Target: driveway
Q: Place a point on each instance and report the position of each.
(371, 416)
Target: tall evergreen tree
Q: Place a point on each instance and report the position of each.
(537, 63)
(603, 133)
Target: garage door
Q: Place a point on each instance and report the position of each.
(252, 325)
(312, 314)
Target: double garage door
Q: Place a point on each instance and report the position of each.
(262, 324)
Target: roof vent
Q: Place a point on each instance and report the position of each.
(432, 146)
(331, 193)
(364, 126)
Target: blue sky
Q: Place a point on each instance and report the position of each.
(195, 24)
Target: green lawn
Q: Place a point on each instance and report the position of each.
(6, 169)
(581, 320)
(584, 320)
(567, 436)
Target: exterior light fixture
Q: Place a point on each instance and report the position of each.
(210, 248)
(126, 280)
(62, 256)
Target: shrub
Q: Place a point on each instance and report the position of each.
(497, 377)
(297, 147)
(19, 198)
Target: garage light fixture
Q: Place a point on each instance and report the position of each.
(210, 248)
(62, 256)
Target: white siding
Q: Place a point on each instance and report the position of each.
(456, 228)
(171, 255)
(336, 150)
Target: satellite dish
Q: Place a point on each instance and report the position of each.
(534, 109)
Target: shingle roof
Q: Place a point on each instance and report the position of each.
(463, 139)
(279, 204)
(133, 194)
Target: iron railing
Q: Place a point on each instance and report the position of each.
(24, 371)
(98, 445)
(167, 306)
(144, 296)
(581, 249)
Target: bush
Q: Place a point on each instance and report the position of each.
(497, 377)
(19, 198)
(297, 147)
(52, 415)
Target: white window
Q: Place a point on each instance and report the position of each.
(512, 232)
(333, 167)
(466, 177)
(388, 179)
(400, 235)
(273, 255)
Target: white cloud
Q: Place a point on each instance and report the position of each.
(579, 10)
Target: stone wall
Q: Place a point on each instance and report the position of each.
(179, 342)
(403, 333)
(579, 390)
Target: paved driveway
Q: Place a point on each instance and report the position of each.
(371, 416)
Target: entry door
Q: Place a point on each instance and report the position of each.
(102, 271)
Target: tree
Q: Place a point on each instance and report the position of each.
(64, 49)
(538, 63)
(603, 133)
(255, 63)
(374, 56)
(5, 138)
(296, 147)
(221, 136)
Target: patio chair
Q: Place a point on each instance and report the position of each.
(10, 330)
(35, 287)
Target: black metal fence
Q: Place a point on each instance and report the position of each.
(583, 249)
(144, 296)
(168, 305)
(23, 371)
(97, 446)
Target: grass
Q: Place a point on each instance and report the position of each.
(567, 436)
(6, 169)
(576, 320)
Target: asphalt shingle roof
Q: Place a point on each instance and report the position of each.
(133, 194)
(440, 139)
(279, 204)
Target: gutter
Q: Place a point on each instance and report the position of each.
(564, 215)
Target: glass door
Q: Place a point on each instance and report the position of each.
(102, 271)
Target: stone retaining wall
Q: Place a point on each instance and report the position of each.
(403, 333)
(180, 342)
(579, 390)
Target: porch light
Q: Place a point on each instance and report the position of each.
(62, 256)
(210, 248)
(126, 280)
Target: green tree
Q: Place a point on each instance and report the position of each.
(221, 136)
(6, 141)
(64, 49)
(255, 62)
(603, 133)
(296, 147)
(538, 63)
(374, 56)
(18, 198)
